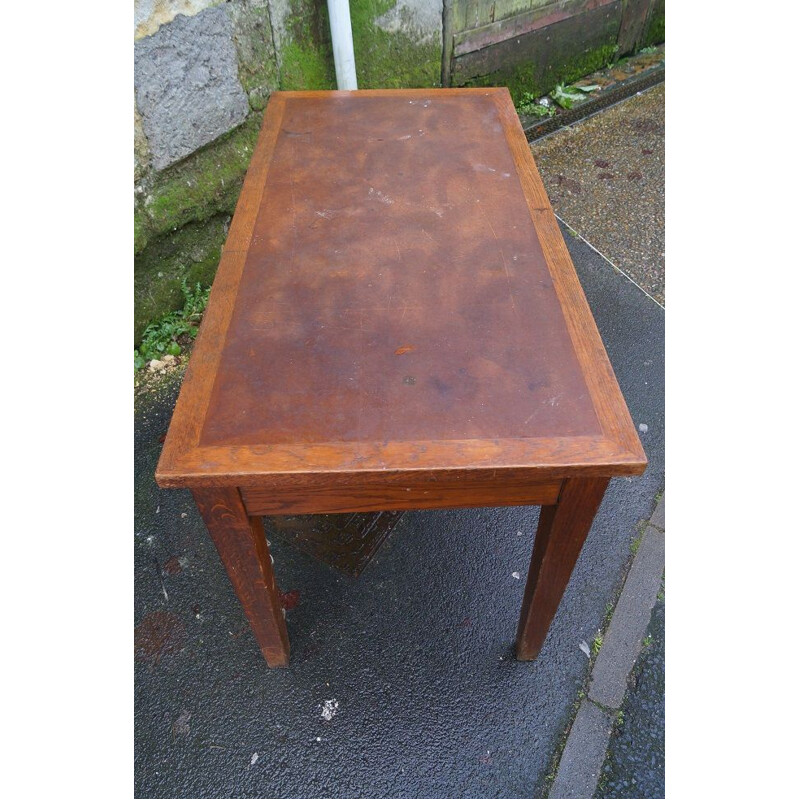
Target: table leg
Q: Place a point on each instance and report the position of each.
(242, 546)
(559, 538)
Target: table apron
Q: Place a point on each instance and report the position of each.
(397, 497)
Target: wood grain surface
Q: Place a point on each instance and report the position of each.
(243, 549)
(562, 530)
(395, 297)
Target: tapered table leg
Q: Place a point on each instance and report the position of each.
(242, 546)
(559, 538)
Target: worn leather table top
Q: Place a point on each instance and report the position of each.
(395, 295)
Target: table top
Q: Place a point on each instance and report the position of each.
(395, 295)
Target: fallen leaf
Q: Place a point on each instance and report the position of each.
(160, 633)
(172, 566)
(406, 348)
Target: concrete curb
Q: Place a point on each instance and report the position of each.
(585, 750)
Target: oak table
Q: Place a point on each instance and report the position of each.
(396, 324)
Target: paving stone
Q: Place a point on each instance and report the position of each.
(582, 759)
(623, 640)
(187, 85)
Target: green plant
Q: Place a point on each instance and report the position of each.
(597, 643)
(161, 337)
(567, 96)
(610, 62)
(647, 641)
(648, 50)
(528, 104)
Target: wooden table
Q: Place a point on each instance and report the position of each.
(396, 324)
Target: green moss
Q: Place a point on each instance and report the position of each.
(656, 29)
(206, 183)
(393, 60)
(192, 253)
(539, 79)
(258, 69)
(306, 68)
(586, 63)
(141, 229)
(520, 79)
(306, 54)
(383, 59)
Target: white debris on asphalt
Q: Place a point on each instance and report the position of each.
(515, 575)
(643, 427)
(329, 709)
(253, 759)
(585, 647)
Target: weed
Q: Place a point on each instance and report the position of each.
(567, 96)
(610, 62)
(528, 104)
(647, 641)
(161, 337)
(649, 50)
(597, 643)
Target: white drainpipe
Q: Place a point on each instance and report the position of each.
(342, 39)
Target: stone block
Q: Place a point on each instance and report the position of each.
(623, 639)
(150, 15)
(187, 85)
(582, 759)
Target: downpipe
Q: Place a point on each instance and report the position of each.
(344, 58)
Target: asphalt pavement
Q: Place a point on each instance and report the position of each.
(634, 763)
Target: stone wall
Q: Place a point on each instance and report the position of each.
(204, 71)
